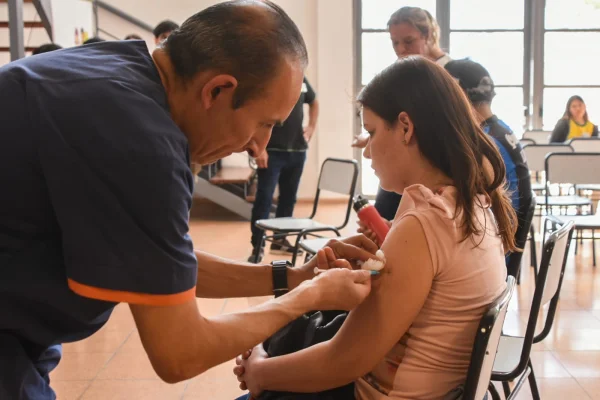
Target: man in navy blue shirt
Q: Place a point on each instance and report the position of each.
(96, 149)
(477, 84)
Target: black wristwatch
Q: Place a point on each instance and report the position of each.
(280, 282)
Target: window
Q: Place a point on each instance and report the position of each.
(486, 14)
(571, 58)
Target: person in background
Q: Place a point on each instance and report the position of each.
(575, 123)
(478, 85)
(413, 336)
(163, 30)
(94, 39)
(133, 36)
(45, 48)
(413, 31)
(282, 164)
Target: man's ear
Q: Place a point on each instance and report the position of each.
(219, 87)
(406, 126)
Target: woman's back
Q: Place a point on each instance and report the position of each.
(433, 356)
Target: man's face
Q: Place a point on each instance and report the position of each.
(161, 37)
(219, 130)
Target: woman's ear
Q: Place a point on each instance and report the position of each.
(406, 127)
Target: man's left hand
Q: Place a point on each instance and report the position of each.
(354, 248)
(309, 131)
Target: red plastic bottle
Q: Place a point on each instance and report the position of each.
(370, 216)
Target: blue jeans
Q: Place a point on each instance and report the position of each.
(285, 168)
(25, 369)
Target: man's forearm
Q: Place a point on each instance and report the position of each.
(223, 278)
(186, 349)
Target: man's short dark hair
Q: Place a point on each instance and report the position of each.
(244, 38)
(45, 48)
(165, 26)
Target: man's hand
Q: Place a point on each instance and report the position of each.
(338, 289)
(364, 229)
(354, 248)
(309, 131)
(262, 161)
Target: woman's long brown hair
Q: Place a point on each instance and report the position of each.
(448, 136)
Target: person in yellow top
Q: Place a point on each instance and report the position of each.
(575, 123)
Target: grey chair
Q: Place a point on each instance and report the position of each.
(578, 169)
(485, 347)
(513, 360)
(337, 176)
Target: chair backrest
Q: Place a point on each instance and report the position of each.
(556, 263)
(526, 141)
(586, 145)
(573, 168)
(547, 287)
(337, 176)
(539, 137)
(536, 154)
(525, 216)
(486, 344)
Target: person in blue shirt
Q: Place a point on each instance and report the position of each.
(478, 85)
(96, 153)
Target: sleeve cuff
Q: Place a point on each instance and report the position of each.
(118, 296)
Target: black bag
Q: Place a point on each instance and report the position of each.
(304, 332)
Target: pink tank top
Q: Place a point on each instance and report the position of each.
(433, 355)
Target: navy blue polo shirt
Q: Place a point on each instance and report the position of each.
(96, 191)
(517, 171)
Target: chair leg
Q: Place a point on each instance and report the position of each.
(260, 245)
(594, 246)
(506, 388)
(296, 248)
(533, 249)
(494, 392)
(535, 393)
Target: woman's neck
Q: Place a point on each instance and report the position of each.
(435, 53)
(579, 121)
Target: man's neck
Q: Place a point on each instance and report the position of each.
(483, 112)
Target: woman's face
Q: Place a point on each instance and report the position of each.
(387, 151)
(408, 40)
(577, 109)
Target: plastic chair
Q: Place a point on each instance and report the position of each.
(513, 360)
(536, 157)
(337, 176)
(539, 137)
(485, 346)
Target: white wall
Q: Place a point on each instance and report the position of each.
(327, 26)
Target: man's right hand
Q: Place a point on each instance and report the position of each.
(262, 161)
(339, 289)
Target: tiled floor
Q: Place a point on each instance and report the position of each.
(112, 364)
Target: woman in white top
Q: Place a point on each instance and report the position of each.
(413, 31)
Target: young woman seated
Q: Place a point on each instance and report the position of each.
(575, 123)
(412, 338)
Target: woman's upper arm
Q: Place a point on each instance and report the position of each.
(397, 298)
